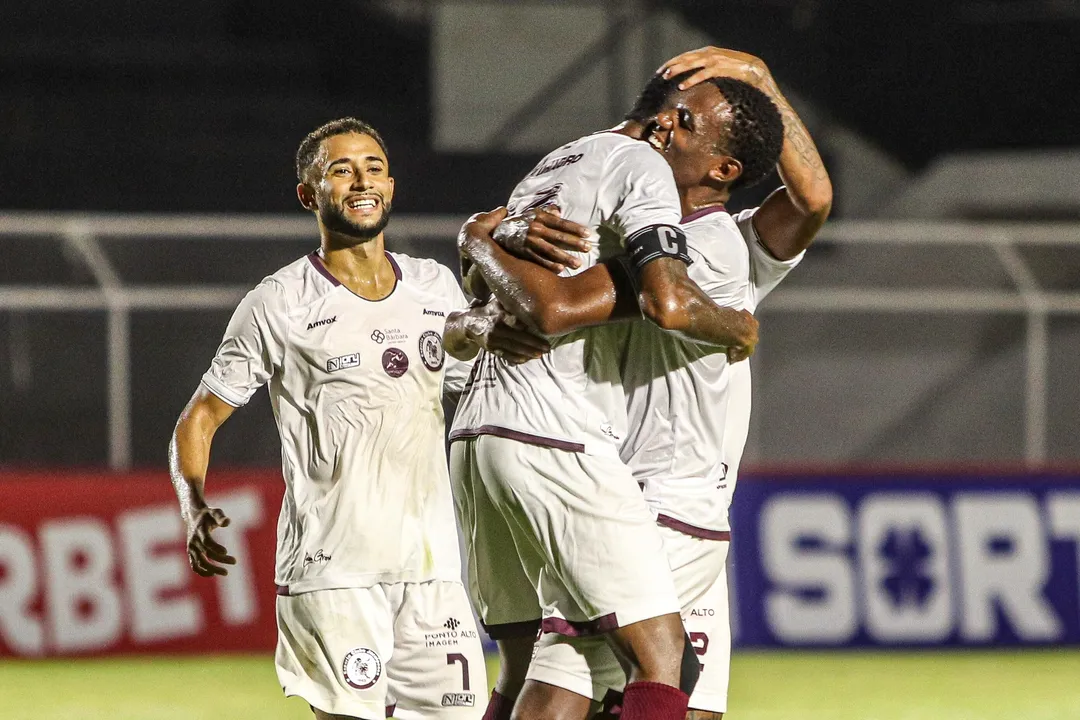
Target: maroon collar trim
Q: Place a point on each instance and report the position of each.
(703, 212)
(317, 263)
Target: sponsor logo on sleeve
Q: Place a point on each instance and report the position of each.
(395, 362)
(343, 363)
(431, 350)
(362, 668)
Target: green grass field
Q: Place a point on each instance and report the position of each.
(1042, 685)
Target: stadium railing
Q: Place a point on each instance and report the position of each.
(83, 234)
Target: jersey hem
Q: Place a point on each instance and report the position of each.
(517, 435)
(363, 581)
(692, 530)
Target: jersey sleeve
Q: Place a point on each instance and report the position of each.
(252, 348)
(766, 271)
(457, 371)
(717, 268)
(642, 179)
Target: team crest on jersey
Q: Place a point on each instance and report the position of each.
(362, 668)
(431, 350)
(395, 362)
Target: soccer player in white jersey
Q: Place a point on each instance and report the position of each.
(681, 399)
(534, 454)
(371, 611)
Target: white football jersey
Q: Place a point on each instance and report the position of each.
(679, 393)
(572, 398)
(766, 272)
(356, 387)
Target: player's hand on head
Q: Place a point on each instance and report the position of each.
(544, 237)
(710, 62)
(748, 341)
(501, 334)
(205, 554)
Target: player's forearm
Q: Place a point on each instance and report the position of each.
(807, 189)
(456, 339)
(189, 449)
(546, 303)
(677, 305)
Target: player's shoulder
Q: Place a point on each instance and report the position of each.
(299, 283)
(422, 273)
(713, 233)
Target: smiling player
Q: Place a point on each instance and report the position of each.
(351, 340)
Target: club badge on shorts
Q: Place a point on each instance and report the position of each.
(362, 668)
(431, 350)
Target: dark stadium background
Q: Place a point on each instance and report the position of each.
(927, 348)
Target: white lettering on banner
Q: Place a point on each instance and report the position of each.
(148, 575)
(1003, 563)
(1063, 513)
(82, 600)
(237, 589)
(904, 565)
(785, 520)
(21, 631)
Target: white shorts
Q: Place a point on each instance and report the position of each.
(588, 667)
(410, 649)
(557, 535)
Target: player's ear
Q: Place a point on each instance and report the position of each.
(390, 194)
(725, 170)
(306, 194)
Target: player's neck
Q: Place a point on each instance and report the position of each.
(630, 128)
(361, 267)
(698, 198)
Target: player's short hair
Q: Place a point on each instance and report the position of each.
(309, 147)
(757, 130)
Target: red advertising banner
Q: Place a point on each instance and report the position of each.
(94, 563)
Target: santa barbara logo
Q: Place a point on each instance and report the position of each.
(431, 350)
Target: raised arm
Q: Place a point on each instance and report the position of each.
(189, 457)
(789, 218)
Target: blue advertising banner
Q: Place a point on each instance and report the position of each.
(906, 559)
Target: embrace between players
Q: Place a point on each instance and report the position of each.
(604, 405)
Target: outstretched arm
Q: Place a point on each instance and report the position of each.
(789, 218)
(189, 457)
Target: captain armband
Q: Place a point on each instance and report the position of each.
(656, 241)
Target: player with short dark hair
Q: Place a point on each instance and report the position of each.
(534, 453)
(353, 342)
(681, 398)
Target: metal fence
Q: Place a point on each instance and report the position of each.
(1028, 294)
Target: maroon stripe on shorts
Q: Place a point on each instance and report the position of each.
(691, 530)
(506, 631)
(390, 710)
(518, 436)
(579, 628)
(283, 590)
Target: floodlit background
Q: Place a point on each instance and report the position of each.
(907, 528)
